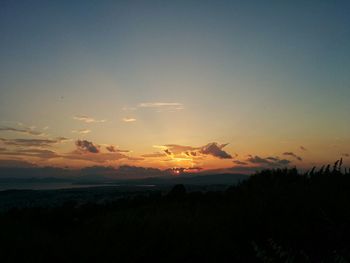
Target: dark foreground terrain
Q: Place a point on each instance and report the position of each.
(274, 216)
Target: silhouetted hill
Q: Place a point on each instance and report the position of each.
(273, 216)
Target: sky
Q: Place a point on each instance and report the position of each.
(194, 85)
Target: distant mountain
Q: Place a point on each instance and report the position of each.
(191, 179)
(107, 175)
(35, 172)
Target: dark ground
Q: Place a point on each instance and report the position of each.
(274, 216)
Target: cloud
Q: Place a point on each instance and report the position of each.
(189, 153)
(167, 152)
(240, 162)
(258, 160)
(25, 130)
(112, 148)
(33, 142)
(129, 108)
(269, 161)
(135, 158)
(303, 148)
(87, 119)
(83, 131)
(215, 150)
(129, 119)
(162, 106)
(62, 139)
(283, 162)
(94, 157)
(44, 154)
(88, 151)
(154, 155)
(259, 165)
(212, 149)
(159, 104)
(38, 153)
(190, 169)
(293, 155)
(177, 149)
(86, 146)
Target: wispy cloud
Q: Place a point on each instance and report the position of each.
(112, 148)
(129, 108)
(154, 155)
(129, 119)
(238, 162)
(293, 155)
(25, 130)
(159, 104)
(153, 106)
(303, 148)
(83, 131)
(162, 106)
(38, 153)
(99, 157)
(33, 142)
(87, 119)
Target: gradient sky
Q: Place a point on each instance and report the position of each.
(270, 78)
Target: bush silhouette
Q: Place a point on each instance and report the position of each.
(177, 191)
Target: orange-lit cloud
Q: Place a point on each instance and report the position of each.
(112, 148)
(303, 148)
(238, 162)
(162, 106)
(94, 157)
(87, 119)
(154, 155)
(214, 149)
(129, 119)
(83, 131)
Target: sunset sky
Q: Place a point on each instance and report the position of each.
(200, 85)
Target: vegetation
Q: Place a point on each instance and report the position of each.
(274, 216)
